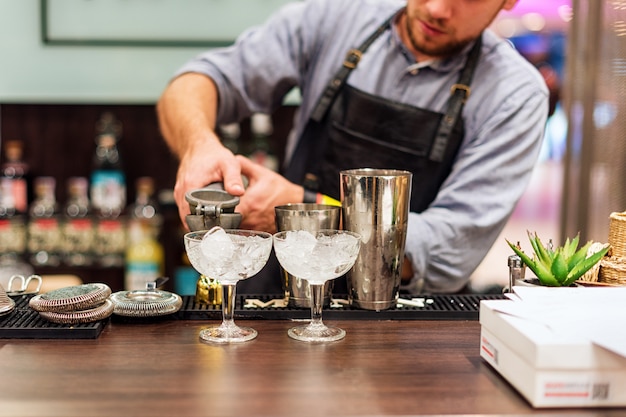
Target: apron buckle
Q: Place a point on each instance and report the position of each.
(463, 87)
(352, 58)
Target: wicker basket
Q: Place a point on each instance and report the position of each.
(593, 274)
(613, 270)
(617, 234)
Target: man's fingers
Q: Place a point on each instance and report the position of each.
(233, 183)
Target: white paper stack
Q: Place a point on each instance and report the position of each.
(559, 347)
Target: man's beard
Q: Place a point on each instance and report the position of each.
(438, 51)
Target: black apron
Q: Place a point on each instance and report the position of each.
(353, 129)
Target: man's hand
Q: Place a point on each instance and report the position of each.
(204, 163)
(266, 190)
(187, 110)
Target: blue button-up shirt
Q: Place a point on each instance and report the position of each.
(305, 43)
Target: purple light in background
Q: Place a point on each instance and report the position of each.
(547, 8)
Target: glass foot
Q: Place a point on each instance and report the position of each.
(316, 333)
(231, 334)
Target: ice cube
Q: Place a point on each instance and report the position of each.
(217, 246)
(300, 242)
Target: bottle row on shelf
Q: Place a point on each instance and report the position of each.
(94, 227)
(76, 236)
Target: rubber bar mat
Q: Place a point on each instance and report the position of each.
(432, 307)
(25, 323)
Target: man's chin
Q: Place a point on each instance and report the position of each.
(439, 51)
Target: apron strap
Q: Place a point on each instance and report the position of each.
(352, 60)
(459, 94)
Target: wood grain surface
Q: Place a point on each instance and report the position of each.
(162, 369)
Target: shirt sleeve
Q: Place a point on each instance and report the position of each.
(448, 241)
(266, 62)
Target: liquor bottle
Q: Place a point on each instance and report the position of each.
(44, 232)
(12, 226)
(15, 170)
(14, 188)
(77, 229)
(108, 181)
(261, 150)
(108, 194)
(230, 134)
(145, 256)
(145, 206)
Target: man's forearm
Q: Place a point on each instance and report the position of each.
(187, 111)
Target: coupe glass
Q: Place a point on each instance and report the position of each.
(316, 257)
(228, 255)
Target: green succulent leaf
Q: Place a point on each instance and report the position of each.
(585, 265)
(545, 275)
(579, 256)
(543, 255)
(559, 266)
(525, 258)
(569, 249)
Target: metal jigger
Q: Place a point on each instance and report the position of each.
(209, 207)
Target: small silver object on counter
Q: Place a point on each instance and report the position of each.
(517, 270)
(6, 304)
(150, 302)
(24, 285)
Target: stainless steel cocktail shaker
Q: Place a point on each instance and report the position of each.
(375, 204)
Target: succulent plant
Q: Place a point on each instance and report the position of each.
(561, 266)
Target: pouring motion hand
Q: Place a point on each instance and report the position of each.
(266, 190)
(204, 163)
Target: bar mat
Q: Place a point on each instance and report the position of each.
(432, 307)
(25, 323)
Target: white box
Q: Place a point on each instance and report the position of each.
(550, 369)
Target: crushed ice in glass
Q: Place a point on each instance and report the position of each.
(317, 258)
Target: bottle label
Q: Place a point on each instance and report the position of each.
(20, 198)
(12, 235)
(110, 238)
(44, 235)
(108, 190)
(44, 241)
(78, 235)
(13, 195)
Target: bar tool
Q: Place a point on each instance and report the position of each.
(212, 206)
(209, 207)
(150, 302)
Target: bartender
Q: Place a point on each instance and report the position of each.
(420, 85)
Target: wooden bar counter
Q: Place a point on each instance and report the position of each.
(399, 367)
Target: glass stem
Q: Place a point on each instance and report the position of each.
(228, 305)
(317, 303)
